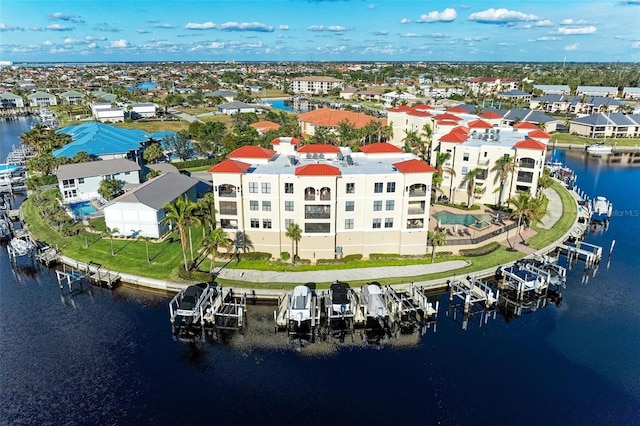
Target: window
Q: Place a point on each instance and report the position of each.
(287, 222)
(388, 222)
(349, 206)
(348, 224)
(464, 171)
(377, 223)
(254, 206)
(288, 188)
(317, 212)
(255, 223)
(317, 228)
(465, 156)
(229, 223)
(391, 187)
(266, 223)
(253, 187)
(288, 206)
(377, 188)
(266, 187)
(309, 193)
(390, 205)
(351, 188)
(228, 207)
(377, 206)
(266, 206)
(80, 180)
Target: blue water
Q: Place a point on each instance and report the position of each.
(478, 220)
(108, 357)
(280, 104)
(145, 85)
(82, 209)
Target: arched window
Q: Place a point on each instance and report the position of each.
(325, 193)
(527, 163)
(418, 190)
(310, 193)
(226, 190)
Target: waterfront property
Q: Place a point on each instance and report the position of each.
(81, 181)
(314, 84)
(344, 202)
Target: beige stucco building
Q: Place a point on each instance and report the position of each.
(314, 85)
(373, 201)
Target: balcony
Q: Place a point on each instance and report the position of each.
(229, 211)
(227, 193)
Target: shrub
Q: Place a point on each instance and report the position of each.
(285, 255)
(194, 275)
(352, 257)
(255, 255)
(481, 251)
(180, 165)
(444, 253)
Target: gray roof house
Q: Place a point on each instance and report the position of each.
(8, 100)
(609, 125)
(72, 97)
(140, 212)
(236, 107)
(80, 181)
(42, 99)
(515, 115)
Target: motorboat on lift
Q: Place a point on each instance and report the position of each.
(5, 230)
(20, 246)
(300, 306)
(342, 301)
(191, 301)
(373, 300)
(601, 209)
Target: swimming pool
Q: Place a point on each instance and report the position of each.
(82, 209)
(478, 221)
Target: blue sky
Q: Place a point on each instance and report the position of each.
(320, 30)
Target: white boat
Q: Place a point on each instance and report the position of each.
(599, 149)
(20, 246)
(601, 209)
(300, 306)
(374, 303)
(522, 279)
(191, 301)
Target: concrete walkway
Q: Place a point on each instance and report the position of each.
(554, 209)
(372, 274)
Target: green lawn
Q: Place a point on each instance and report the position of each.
(544, 237)
(566, 138)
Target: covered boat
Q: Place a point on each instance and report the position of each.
(300, 307)
(192, 300)
(342, 301)
(373, 300)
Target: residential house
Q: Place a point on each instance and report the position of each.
(631, 93)
(606, 91)
(553, 89)
(140, 212)
(373, 201)
(609, 125)
(72, 97)
(81, 181)
(42, 99)
(9, 101)
(105, 113)
(236, 107)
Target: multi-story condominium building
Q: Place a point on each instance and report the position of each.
(373, 201)
(487, 85)
(314, 85)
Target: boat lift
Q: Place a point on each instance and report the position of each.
(590, 254)
(476, 299)
(281, 314)
(227, 312)
(210, 298)
(413, 303)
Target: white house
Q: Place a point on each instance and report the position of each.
(140, 212)
(42, 99)
(80, 181)
(105, 113)
(143, 109)
(9, 100)
(236, 107)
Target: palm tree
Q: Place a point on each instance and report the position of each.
(110, 232)
(436, 238)
(178, 213)
(206, 212)
(427, 132)
(470, 181)
(441, 159)
(413, 142)
(526, 208)
(295, 233)
(504, 167)
(146, 246)
(212, 242)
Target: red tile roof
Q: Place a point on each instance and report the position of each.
(539, 134)
(331, 117)
(265, 125)
(319, 148)
(230, 166)
(460, 129)
(317, 170)
(447, 123)
(490, 115)
(380, 148)
(479, 124)
(417, 113)
(400, 108)
(413, 166)
(525, 125)
(457, 108)
(530, 144)
(251, 151)
(294, 141)
(456, 137)
(447, 116)
(422, 106)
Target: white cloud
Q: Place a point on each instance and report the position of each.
(58, 27)
(572, 47)
(411, 35)
(405, 20)
(543, 23)
(64, 17)
(142, 31)
(332, 28)
(381, 32)
(635, 45)
(203, 26)
(501, 16)
(48, 43)
(70, 40)
(283, 27)
(570, 21)
(4, 27)
(577, 30)
(163, 26)
(446, 15)
(548, 38)
(245, 26)
(216, 45)
(122, 43)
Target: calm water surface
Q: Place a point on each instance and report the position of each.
(108, 357)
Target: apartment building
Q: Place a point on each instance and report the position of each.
(373, 201)
(314, 85)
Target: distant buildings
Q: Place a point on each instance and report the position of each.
(314, 85)
(326, 117)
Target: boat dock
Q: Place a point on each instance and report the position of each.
(472, 291)
(590, 254)
(224, 312)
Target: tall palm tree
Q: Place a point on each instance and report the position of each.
(441, 159)
(470, 181)
(503, 168)
(178, 213)
(436, 238)
(427, 133)
(110, 232)
(206, 212)
(295, 233)
(212, 242)
(526, 208)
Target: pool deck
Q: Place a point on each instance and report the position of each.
(460, 232)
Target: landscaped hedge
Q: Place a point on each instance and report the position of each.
(255, 255)
(393, 256)
(348, 258)
(181, 165)
(481, 251)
